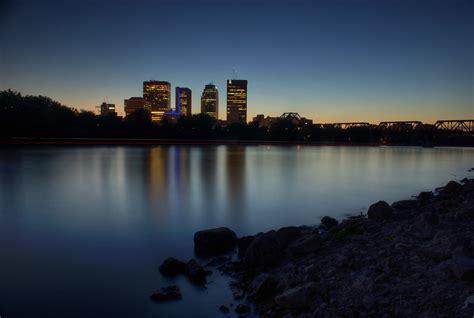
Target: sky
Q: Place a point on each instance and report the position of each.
(331, 61)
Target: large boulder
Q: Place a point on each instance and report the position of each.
(263, 251)
(171, 267)
(288, 234)
(329, 222)
(450, 189)
(195, 272)
(214, 241)
(167, 293)
(380, 211)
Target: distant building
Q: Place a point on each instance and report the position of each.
(237, 101)
(183, 101)
(157, 98)
(107, 109)
(210, 101)
(133, 104)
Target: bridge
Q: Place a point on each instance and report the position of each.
(350, 125)
(400, 125)
(290, 116)
(460, 125)
(464, 125)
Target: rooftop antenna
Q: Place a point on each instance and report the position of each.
(234, 73)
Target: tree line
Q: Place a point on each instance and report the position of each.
(40, 116)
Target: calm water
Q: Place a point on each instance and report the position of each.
(83, 229)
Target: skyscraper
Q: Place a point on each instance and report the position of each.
(107, 109)
(157, 98)
(210, 101)
(183, 101)
(237, 101)
(133, 104)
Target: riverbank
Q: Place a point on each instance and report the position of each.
(414, 258)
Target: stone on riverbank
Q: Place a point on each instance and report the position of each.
(195, 272)
(420, 264)
(450, 189)
(380, 211)
(329, 222)
(172, 267)
(214, 241)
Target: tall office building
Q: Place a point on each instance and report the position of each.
(183, 101)
(107, 109)
(132, 104)
(210, 101)
(157, 98)
(237, 101)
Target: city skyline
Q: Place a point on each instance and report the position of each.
(331, 62)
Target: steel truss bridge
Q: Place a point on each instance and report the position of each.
(466, 125)
(461, 125)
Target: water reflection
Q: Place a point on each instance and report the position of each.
(114, 213)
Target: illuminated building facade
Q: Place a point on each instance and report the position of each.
(133, 104)
(210, 101)
(183, 101)
(107, 109)
(237, 101)
(157, 98)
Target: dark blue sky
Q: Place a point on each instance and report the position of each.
(328, 60)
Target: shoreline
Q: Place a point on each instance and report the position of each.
(22, 141)
(414, 258)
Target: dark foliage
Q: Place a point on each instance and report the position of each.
(39, 116)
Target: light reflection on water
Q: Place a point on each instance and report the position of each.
(83, 229)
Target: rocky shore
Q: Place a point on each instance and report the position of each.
(414, 258)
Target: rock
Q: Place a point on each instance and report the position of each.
(264, 251)
(463, 267)
(286, 235)
(224, 309)
(242, 309)
(329, 222)
(298, 297)
(171, 267)
(405, 204)
(195, 272)
(452, 188)
(243, 243)
(167, 293)
(380, 211)
(263, 287)
(214, 241)
(306, 246)
(425, 195)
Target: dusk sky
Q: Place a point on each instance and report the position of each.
(327, 60)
